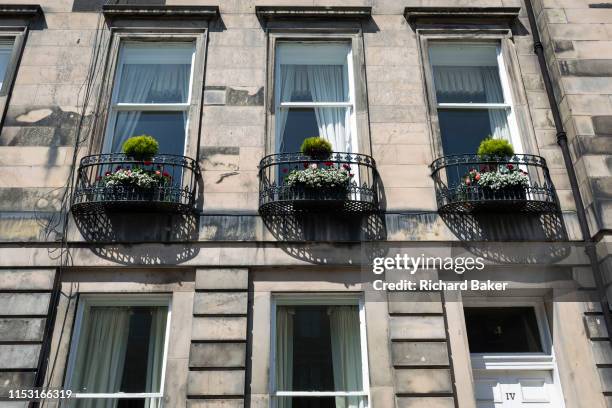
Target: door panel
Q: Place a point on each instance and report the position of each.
(515, 389)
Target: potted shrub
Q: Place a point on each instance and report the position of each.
(139, 181)
(142, 147)
(495, 181)
(316, 148)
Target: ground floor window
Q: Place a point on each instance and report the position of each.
(512, 356)
(319, 353)
(118, 350)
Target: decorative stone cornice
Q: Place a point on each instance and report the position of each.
(300, 12)
(20, 10)
(414, 14)
(146, 11)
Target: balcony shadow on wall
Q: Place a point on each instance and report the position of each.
(131, 238)
(489, 235)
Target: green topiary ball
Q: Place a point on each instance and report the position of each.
(316, 148)
(495, 148)
(142, 147)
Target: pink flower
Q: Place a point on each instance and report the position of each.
(108, 173)
(313, 166)
(468, 181)
(157, 172)
(477, 177)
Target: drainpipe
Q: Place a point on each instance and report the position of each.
(562, 142)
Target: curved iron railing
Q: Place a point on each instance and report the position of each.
(277, 197)
(177, 193)
(453, 195)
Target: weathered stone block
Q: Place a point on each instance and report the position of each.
(219, 328)
(26, 279)
(419, 353)
(425, 402)
(16, 304)
(420, 381)
(217, 355)
(215, 382)
(216, 403)
(16, 329)
(602, 351)
(19, 356)
(15, 380)
(415, 302)
(417, 327)
(222, 279)
(220, 303)
(596, 327)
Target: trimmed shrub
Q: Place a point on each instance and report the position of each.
(142, 147)
(317, 148)
(495, 148)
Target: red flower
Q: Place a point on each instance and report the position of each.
(328, 163)
(468, 181)
(509, 166)
(346, 166)
(305, 165)
(166, 174)
(285, 171)
(351, 174)
(147, 163)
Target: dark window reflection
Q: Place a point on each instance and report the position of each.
(502, 330)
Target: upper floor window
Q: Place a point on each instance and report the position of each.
(314, 95)
(320, 356)
(6, 51)
(118, 349)
(473, 95)
(152, 95)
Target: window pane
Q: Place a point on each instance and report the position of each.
(312, 72)
(321, 402)
(466, 73)
(111, 402)
(6, 48)
(152, 73)
(297, 124)
(167, 127)
(318, 348)
(463, 129)
(502, 330)
(120, 349)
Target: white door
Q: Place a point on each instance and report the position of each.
(515, 389)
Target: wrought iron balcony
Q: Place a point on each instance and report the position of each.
(278, 196)
(456, 192)
(170, 184)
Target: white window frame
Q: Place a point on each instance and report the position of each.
(508, 104)
(322, 57)
(117, 300)
(516, 361)
(333, 299)
(116, 107)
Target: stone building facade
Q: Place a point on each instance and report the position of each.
(217, 298)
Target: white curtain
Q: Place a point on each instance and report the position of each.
(284, 354)
(156, 354)
(346, 354)
(318, 83)
(101, 355)
(465, 83)
(148, 83)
